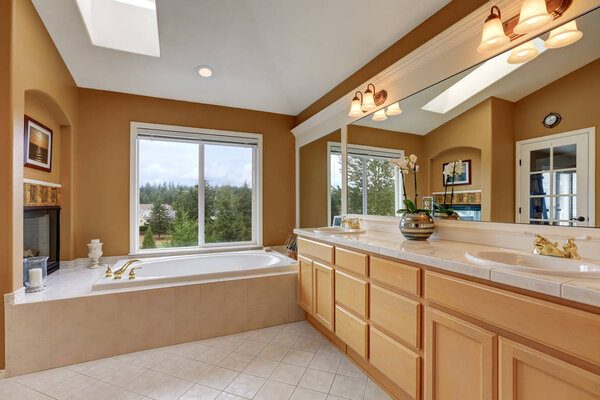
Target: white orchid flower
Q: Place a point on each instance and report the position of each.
(413, 158)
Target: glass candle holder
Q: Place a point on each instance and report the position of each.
(35, 271)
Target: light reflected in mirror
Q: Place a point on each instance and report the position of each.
(525, 134)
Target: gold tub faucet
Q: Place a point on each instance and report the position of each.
(545, 247)
(353, 223)
(118, 274)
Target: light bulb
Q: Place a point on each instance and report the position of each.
(534, 14)
(523, 53)
(379, 115)
(355, 109)
(563, 36)
(493, 36)
(368, 100)
(393, 109)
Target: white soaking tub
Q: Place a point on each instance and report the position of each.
(205, 267)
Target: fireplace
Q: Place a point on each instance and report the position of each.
(41, 234)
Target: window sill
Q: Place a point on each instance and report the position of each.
(194, 250)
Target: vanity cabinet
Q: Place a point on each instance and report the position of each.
(425, 334)
(323, 294)
(460, 359)
(527, 374)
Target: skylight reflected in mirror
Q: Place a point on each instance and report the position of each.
(479, 79)
(126, 25)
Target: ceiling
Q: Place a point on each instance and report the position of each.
(541, 71)
(269, 55)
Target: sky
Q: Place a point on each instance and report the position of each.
(175, 162)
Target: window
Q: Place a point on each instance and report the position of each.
(374, 185)
(194, 188)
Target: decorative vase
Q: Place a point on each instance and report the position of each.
(95, 252)
(416, 226)
(443, 215)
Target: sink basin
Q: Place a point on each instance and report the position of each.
(337, 230)
(535, 263)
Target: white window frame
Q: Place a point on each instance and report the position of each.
(375, 152)
(194, 134)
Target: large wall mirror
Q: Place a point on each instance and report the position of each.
(525, 133)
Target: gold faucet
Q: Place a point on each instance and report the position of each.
(545, 247)
(119, 273)
(353, 223)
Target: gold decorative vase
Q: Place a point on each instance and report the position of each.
(416, 226)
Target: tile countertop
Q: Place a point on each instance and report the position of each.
(451, 256)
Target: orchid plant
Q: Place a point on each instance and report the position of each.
(451, 171)
(408, 165)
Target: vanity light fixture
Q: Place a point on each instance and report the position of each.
(493, 37)
(523, 53)
(393, 109)
(368, 101)
(534, 14)
(379, 115)
(563, 36)
(356, 106)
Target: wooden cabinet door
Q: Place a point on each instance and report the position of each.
(305, 284)
(323, 306)
(527, 374)
(352, 330)
(352, 293)
(460, 359)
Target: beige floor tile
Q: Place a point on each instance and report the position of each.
(170, 389)
(272, 390)
(200, 392)
(193, 371)
(307, 394)
(124, 374)
(328, 349)
(251, 347)
(229, 343)
(122, 394)
(44, 380)
(325, 363)
(218, 378)
(171, 364)
(348, 387)
(245, 385)
(287, 373)
(25, 393)
(285, 339)
(374, 392)
(146, 382)
(297, 357)
(213, 356)
(148, 358)
(307, 344)
(347, 368)
(261, 367)
(273, 352)
(72, 386)
(332, 397)
(104, 368)
(188, 350)
(236, 361)
(317, 380)
(96, 391)
(229, 396)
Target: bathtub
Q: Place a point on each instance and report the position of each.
(193, 268)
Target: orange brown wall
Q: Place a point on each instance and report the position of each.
(102, 159)
(576, 98)
(313, 181)
(436, 180)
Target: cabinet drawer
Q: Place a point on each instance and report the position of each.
(396, 314)
(309, 248)
(351, 330)
(352, 293)
(352, 261)
(398, 275)
(526, 316)
(395, 361)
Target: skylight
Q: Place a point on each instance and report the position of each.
(126, 25)
(479, 79)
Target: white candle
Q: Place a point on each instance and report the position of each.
(95, 241)
(35, 277)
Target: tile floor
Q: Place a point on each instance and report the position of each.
(286, 362)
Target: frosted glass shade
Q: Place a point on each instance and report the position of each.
(379, 115)
(393, 109)
(523, 53)
(533, 15)
(563, 36)
(368, 101)
(355, 109)
(493, 37)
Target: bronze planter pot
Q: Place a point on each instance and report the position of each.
(416, 226)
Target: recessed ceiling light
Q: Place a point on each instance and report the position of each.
(204, 71)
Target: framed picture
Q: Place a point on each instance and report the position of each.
(38, 145)
(337, 220)
(462, 179)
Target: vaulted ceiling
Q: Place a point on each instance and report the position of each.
(269, 55)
